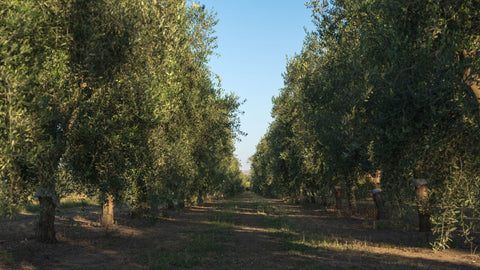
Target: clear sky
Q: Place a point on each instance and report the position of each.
(254, 39)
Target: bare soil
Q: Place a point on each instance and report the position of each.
(245, 232)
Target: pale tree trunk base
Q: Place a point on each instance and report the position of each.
(421, 192)
(338, 198)
(46, 224)
(377, 195)
(379, 204)
(107, 220)
(352, 201)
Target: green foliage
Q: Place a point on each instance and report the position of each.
(380, 85)
(36, 92)
(113, 98)
(163, 130)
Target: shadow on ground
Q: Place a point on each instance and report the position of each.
(246, 232)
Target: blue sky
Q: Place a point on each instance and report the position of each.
(254, 39)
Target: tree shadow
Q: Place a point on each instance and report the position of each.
(243, 233)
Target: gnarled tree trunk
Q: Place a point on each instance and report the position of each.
(377, 195)
(48, 201)
(107, 220)
(379, 203)
(420, 182)
(472, 81)
(352, 200)
(475, 86)
(338, 197)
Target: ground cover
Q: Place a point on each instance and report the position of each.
(244, 232)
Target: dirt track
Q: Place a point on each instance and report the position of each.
(246, 232)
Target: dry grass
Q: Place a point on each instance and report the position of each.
(246, 232)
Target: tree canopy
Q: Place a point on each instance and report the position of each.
(113, 98)
(388, 86)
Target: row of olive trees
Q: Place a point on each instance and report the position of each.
(112, 98)
(384, 94)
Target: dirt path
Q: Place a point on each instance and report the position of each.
(246, 232)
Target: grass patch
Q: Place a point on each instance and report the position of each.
(204, 245)
(222, 219)
(199, 250)
(283, 234)
(279, 223)
(303, 242)
(74, 201)
(265, 208)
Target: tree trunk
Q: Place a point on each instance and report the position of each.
(420, 181)
(377, 195)
(201, 197)
(48, 201)
(338, 197)
(421, 192)
(312, 198)
(301, 195)
(379, 203)
(46, 224)
(107, 213)
(472, 81)
(352, 201)
(475, 86)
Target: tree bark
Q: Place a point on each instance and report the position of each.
(420, 182)
(48, 201)
(46, 224)
(312, 198)
(421, 192)
(352, 201)
(377, 195)
(201, 197)
(338, 197)
(475, 86)
(472, 80)
(107, 220)
(379, 204)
